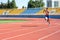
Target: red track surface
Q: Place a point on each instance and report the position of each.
(35, 29)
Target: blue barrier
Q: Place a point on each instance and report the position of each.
(30, 16)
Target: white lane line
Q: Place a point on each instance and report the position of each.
(25, 33)
(48, 35)
(11, 31)
(8, 29)
(14, 30)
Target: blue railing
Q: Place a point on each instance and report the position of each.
(30, 16)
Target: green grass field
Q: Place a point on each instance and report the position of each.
(11, 21)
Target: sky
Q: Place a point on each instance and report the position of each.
(19, 3)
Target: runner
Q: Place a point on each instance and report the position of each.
(46, 15)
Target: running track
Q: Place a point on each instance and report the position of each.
(34, 29)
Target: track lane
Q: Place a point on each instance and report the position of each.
(31, 35)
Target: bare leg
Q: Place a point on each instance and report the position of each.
(48, 20)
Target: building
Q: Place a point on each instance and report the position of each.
(52, 3)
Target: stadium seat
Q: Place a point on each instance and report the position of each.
(1, 11)
(55, 10)
(58, 10)
(16, 11)
(31, 11)
(40, 12)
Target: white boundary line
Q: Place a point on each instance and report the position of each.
(25, 33)
(15, 30)
(8, 29)
(11, 31)
(49, 35)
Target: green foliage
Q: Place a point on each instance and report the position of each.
(8, 5)
(35, 4)
(1, 5)
(23, 7)
(31, 4)
(13, 4)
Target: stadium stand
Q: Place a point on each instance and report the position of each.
(40, 12)
(55, 10)
(16, 11)
(1, 11)
(58, 10)
(31, 11)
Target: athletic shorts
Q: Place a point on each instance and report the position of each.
(46, 16)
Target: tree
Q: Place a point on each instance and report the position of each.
(35, 4)
(14, 4)
(31, 4)
(23, 7)
(41, 3)
(8, 4)
(1, 5)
